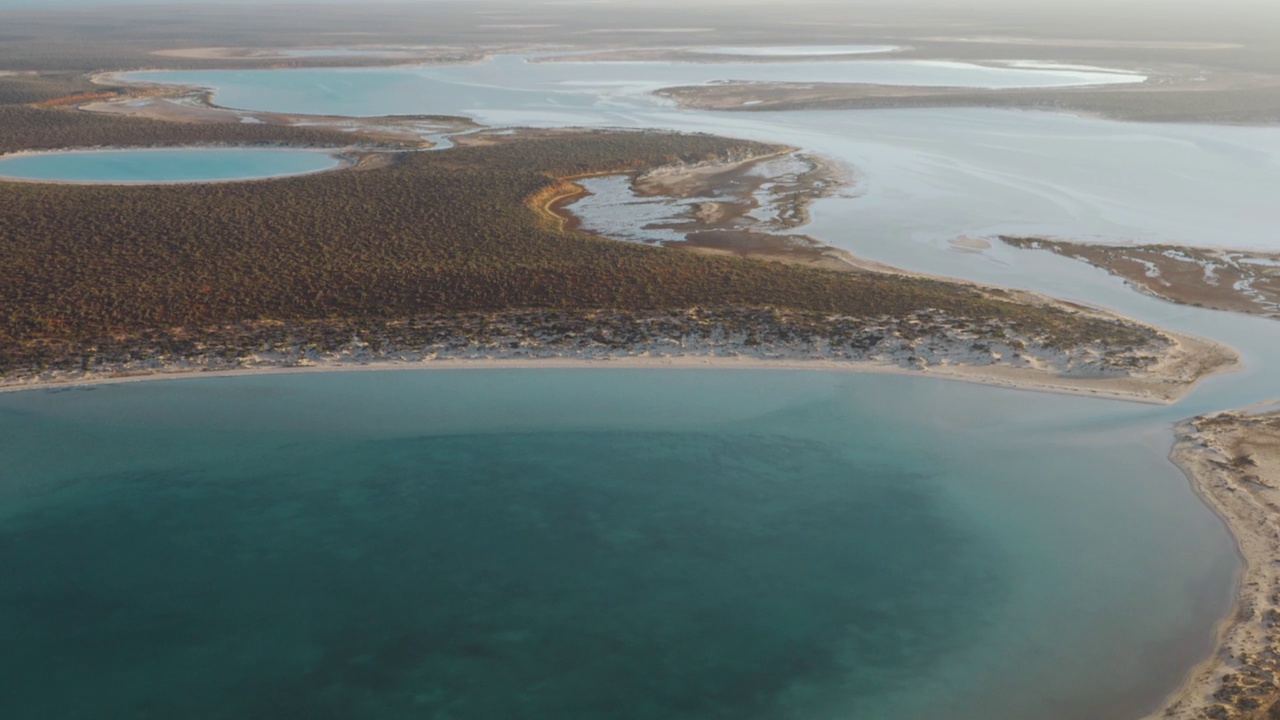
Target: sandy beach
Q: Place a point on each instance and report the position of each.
(1233, 462)
(1192, 360)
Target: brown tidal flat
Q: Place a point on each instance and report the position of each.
(1234, 280)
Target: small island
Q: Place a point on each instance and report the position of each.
(1245, 281)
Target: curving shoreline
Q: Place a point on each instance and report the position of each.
(1232, 460)
(754, 343)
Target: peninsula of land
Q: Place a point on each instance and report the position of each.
(461, 254)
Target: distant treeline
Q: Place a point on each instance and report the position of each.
(32, 88)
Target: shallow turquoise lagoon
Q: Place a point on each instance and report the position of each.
(510, 81)
(164, 166)
(595, 544)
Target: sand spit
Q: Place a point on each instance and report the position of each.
(730, 224)
(1233, 460)
(927, 343)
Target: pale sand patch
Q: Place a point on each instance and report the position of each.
(1233, 462)
(970, 243)
(1190, 360)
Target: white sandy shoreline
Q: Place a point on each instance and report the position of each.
(1232, 461)
(1010, 378)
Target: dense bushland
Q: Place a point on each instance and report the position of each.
(437, 232)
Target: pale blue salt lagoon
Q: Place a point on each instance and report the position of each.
(158, 166)
(677, 544)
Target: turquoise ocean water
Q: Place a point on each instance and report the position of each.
(595, 544)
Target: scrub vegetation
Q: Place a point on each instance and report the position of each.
(437, 233)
